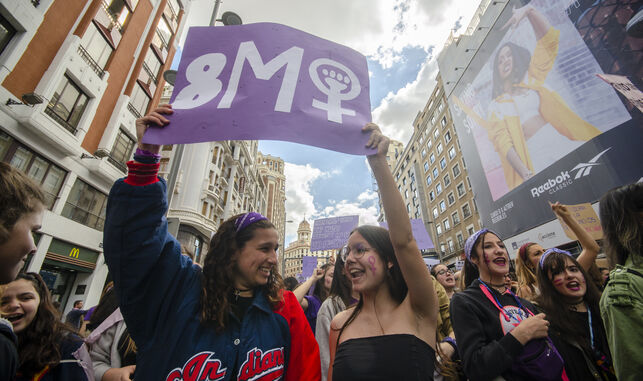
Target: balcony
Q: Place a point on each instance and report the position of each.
(133, 110)
(90, 61)
(51, 113)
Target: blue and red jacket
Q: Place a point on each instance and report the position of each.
(159, 295)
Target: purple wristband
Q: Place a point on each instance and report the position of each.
(142, 152)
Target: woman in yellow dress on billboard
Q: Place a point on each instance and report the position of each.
(529, 125)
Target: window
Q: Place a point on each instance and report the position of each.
(440, 106)
(151, 65)
(447, 180)
(447, 136)
(460, 238)
(67, 105)
(470, 230)
(139, 101)
(433, 119)
(431, 195)
(443, 163)
(438, 229)
(49, 176)
(119, 11)
(7, 31)
(456, 170)
(435, 213)
(423, 152)
(428, 180)
(97, 48)
(435, 173)
(455, 217)
(443, 122)
(406, 193)
(86, 205)
(438, 188)
(404, 180)
(122, 150)
(466, 211)
(429, 143)
(436, 133)
(450, 244)
(447, 224)
(443, 206)
(408, 208)
(460, 189)
(451, 198)
(426, 166)
(452, 152)
(439, 148)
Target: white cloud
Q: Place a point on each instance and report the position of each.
(299, 199)
(365, 207)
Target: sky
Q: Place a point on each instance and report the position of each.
(401, 40)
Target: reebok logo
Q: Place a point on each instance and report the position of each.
(584, 168)
(558, 181)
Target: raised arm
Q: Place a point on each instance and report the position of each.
(538, 22)
(301, 290)
(421, 293)
(590, 248)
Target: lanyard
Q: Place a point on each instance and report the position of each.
(487, 291)
(591, 330)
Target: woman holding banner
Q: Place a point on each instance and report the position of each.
(390, 333)
(230, 320)
(529, 254)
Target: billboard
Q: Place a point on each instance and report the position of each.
(536, 121)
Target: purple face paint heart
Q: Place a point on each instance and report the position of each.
(371, 261)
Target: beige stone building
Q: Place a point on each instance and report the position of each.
(432, 177)
(296, 251)
(271, 171)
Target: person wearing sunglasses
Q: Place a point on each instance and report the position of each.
(395, 319)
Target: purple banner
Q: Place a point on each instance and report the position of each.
(332, 233)
(419, 232)
(268, 81)
(309, 264)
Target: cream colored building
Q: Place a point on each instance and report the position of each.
(271, 171)
(296, 251)
(432, 177)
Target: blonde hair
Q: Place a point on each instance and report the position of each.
(526, 276)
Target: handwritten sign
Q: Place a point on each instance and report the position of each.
(624, 86)
(268, 81)
(419, 233)
(309, 264)
(585, 215)
(459, 264)
(430, 262)
(332, 233)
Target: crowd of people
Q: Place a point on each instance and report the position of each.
(375, 313)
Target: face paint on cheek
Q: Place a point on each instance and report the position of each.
(371, 261)
(558, 282)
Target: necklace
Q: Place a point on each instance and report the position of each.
(575, 306)
(501, 288)
(377, 317)
(237, 292)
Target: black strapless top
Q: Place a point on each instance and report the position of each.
(389, 357)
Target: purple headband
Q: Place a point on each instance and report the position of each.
(471, 241)
(549, 251)
(246, 219)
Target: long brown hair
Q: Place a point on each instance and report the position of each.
(622, 222)
(554, 304)
(526, 275)
(39, 342)
(217, 283)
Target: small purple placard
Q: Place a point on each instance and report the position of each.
(268, 81)
(419, 232)
(309, 264)
(332, 233)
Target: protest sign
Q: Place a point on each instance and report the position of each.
(430, 262)
(268, 81)
(332, 233)
(422, 238)
(624, 86)
(586, 216)
(309, 264)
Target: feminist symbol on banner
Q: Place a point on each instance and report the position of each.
(268, 81)
(204, 83)
(337, 82)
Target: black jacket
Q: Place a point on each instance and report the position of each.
(8, 351)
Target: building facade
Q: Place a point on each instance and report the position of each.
(297, 250)
(74, 77)
(271, 171)
(431, 175)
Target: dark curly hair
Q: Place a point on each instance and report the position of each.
(19, 195)
(217, 283)
(380, 240)
(520, 63)
(39, 342)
